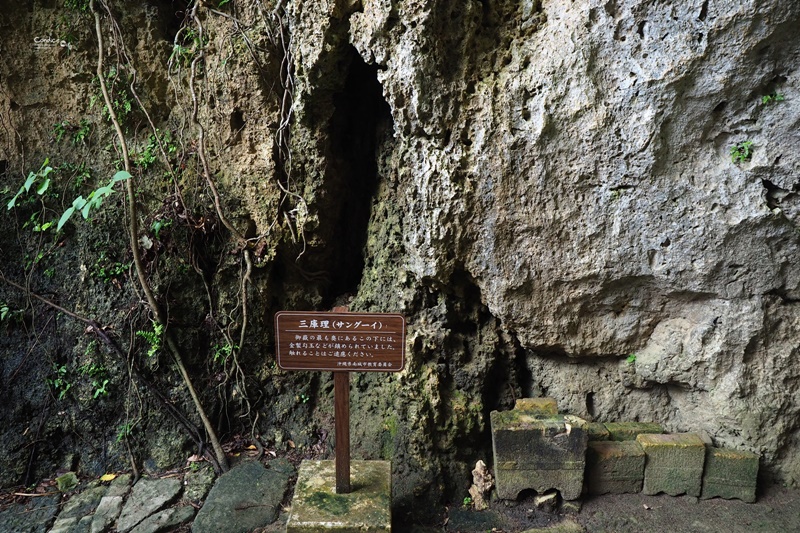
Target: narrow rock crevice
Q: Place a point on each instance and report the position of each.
(360, 116)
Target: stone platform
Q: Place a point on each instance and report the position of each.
(316, 506)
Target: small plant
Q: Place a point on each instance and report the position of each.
(60, 129)
(772, 98)
(121, 101)
(93, 201)
(153, 338)
(60, 383)
(8, 314)
(160, 224)
(304, 398)
(741, 152)
(79, 174)
(107, 270)
(98, 375)
(39, 178)
(467, 502)
(84, 130)
(149, 155)
(124, 430)
(187, 44)
(81, 6)
(631, 359)
(221, 353)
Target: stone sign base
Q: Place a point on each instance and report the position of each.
(316, 506)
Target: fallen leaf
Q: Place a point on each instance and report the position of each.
(252, 447)
(108, 477)
(290, 443)
(195, 459)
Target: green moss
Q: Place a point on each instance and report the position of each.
(330, 503)
(388, 437)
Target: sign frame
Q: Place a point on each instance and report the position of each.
(377, 345)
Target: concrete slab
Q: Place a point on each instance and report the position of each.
(317, 507)
(730, 474)
(674, 463)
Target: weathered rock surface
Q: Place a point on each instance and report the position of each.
(572, 159)
(543, 187)
(147, 497)
(245, 498)
(110, 506)
(76, 515)
(34, 517)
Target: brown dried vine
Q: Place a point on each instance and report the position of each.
(133, 231)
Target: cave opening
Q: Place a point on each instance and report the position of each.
(360, 119)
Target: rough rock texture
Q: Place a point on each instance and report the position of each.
(571, 160)
(245, 498)
(543, 187)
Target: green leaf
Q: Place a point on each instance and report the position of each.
(79, 202)
(121, 175)
(65, 216)
(29, 182)
(43, 187)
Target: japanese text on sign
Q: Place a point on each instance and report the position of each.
(340, 341)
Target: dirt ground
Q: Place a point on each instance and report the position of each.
(777, 510)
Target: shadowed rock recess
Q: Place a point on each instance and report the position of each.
(545, 188)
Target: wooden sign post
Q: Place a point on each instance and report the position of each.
(340, 342)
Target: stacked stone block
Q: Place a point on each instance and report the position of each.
(614, 467)
(536, 448)
(538, 451)
(730, 474)
(597, 431)
(631, 430)
(674, 463)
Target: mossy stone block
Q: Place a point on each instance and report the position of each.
(317, 507)
(730, 474)
(542, 406)
(630, 430)
(539, 453)
(597, 431)
(614, 467)
(674, 463)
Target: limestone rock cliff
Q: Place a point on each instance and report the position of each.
(544, 188)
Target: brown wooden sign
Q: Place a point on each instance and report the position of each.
(340, 342)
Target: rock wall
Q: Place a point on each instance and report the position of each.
(574, 160)
(544, 188)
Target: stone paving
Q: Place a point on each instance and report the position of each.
(247, 497)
